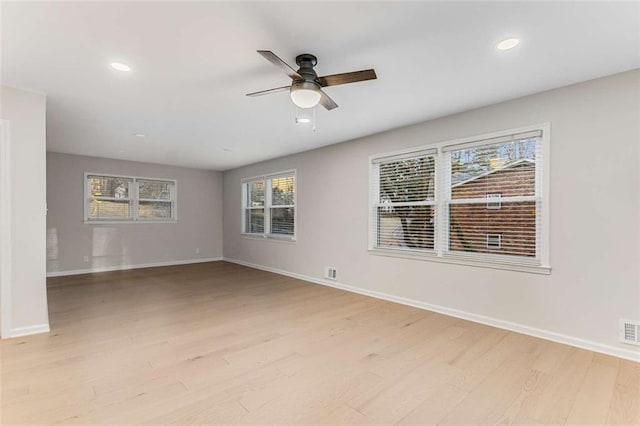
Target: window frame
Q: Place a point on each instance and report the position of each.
(133, 200)
(268, 205)
(440, 252)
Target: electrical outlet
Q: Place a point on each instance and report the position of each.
(86, 259)
(197, 251)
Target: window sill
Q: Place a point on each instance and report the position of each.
(125, 222)
(270, 238)
(433, 257)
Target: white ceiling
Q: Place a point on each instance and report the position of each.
(193, 63)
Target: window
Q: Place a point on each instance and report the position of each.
(129, 199)
(494, 204)
(269, 206)
(155, 199)
(494, 241)
(477, 201)
(109, 198)
(405, 206)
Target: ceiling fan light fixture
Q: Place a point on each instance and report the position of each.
(305, 94)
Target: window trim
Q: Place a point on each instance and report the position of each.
(133, 200)
(540, 265)
(266, 235)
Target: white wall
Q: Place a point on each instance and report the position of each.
(595, 213)
(25, 112)
(113, 246)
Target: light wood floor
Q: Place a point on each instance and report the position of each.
(221, 343)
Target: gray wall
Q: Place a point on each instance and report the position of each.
(107, 245)
(594, 222)
(25, 112)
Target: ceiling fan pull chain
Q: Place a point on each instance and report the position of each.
(314, 119)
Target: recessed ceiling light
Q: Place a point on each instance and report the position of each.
(121, 151)
(507, 44)
(303, 120)
(120, 66)
(139, 135)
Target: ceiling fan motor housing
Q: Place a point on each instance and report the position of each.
(304, 85)
(306, 62)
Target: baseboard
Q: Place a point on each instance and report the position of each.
(26, 331)
(125, 267)
(494, 322)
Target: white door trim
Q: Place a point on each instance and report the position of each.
(5, 229)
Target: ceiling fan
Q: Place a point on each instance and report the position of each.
(306, 88)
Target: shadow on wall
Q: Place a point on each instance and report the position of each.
(52, 249)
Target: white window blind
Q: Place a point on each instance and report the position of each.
(269, 204)
(404, 207)
(129, 199)
(282, 205)
(479, 201)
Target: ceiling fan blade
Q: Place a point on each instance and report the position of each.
(347, 77)
(269, 91)
(275, 60)
(327, 102)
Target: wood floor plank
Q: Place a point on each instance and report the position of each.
(553, 399)
(592, 402)
(489, 401)
(221, 343)
(625, 405)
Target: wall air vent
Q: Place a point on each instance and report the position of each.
(331, 273)
(630, 332)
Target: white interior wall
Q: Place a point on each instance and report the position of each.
(27, 308)
(594, 219)
(5, 230)
(197, 235)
